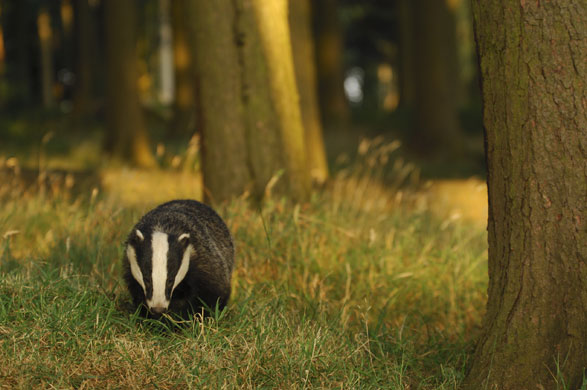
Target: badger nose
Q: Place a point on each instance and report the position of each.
(157, 311)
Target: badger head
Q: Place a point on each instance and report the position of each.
(158, 263)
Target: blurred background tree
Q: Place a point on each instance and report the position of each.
(302, 40)
(126, 136)
(184, 106)
(84, 65)
(144, 87)
(330, 63)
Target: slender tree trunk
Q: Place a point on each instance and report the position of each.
(82, 93)
(329, 46)
(19, 21)
(300, 19)
(221, 117)
(46, 55)
(275, 39)
(184, 118)
(467, 82)
(66, 32)
(533, 59)
(436, 119)
(2, 57)
(406, 47)
(126, 135)
(166, 92)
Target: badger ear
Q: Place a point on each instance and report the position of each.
(140, 235)
(183, 237)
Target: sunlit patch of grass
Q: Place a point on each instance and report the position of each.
(357, 288)
(456, 199)
(140, 188)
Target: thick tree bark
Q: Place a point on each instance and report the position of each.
(533, 59)
(300, 19)
(221, 117)
(126, 135)
(329, 48)
(435, 71)
(275, 40)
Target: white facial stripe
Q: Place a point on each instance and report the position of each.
(134, 266)
(160, 247)
(183, 268)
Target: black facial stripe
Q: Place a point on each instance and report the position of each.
(174, 257)
(144, 251)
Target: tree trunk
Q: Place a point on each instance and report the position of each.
(166, 87)
(46, 56)
(300, 19)
(249, 116)
(3, 79)
(533, 59)
(406, 47)
(467, 82)
(219, 92)
(18, 22)
(126, 135)
(273, 26)
(264, 145)
(435, 70)
(329, 46)
(82, 93)
(184, 118)
(66, 38)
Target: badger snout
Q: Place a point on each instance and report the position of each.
(157, 311)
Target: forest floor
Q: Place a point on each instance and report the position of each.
(378, 282)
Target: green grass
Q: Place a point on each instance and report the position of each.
(354, 289)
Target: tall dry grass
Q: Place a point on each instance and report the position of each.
(361, 287)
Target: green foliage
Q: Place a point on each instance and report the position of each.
(354, 289)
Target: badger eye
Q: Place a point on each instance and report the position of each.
(184, 239)
(169, 288)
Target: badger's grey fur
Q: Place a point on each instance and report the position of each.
(177, 256)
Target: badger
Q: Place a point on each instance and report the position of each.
(178, 259)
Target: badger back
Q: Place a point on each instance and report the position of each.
(179, 241)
